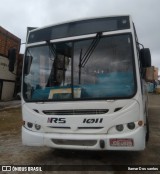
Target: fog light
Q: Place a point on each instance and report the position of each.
(131, 125)
(30, 125)
(37, 126)
(120, 127)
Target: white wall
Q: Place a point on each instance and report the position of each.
(5, 76)
(7, 90)
(4, 72)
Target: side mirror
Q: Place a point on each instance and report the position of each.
(27, 63)
(12, 59)
(145, 57)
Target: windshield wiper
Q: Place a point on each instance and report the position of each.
(83, 60)
(90, 49)
(51, 48)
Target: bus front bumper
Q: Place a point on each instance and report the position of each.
(131, 141)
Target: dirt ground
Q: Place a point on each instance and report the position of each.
(12, 152)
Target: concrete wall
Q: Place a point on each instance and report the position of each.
(5, 74)
(7, 79)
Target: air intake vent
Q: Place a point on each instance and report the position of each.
(117, 109)
(75, 142)
(76, 112)
(36, 110)
(90, 127)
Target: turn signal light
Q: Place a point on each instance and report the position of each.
(23, 123)
(140, 123)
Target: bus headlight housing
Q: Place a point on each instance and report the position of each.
(126, 127)
(32, 126)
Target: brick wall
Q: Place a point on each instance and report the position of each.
(7, 41)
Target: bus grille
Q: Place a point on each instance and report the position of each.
(75, 142)
(76, 112)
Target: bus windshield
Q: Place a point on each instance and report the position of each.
(81, 70)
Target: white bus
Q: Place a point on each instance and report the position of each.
(83, 86)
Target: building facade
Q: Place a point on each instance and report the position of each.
(8, 80)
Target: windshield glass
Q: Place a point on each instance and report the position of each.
(81, 70)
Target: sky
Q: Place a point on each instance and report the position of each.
(17, 15)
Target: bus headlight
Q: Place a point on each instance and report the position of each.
(37, 127)
(30, 125)
(131, 126)
(120, 127)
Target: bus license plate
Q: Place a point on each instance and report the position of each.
(121, 142)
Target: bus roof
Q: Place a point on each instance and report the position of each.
(79, 27)
(78, 20)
